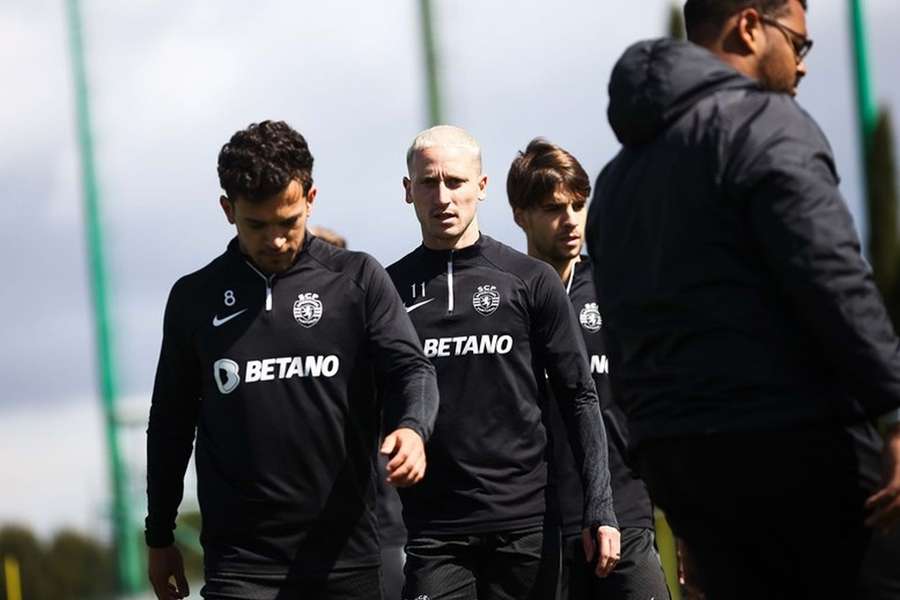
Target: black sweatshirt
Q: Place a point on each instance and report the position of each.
(276, 375)
(494, 321)
(727, 263)
(631, 501)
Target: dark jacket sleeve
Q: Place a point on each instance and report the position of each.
(561, 347)
(784, 167)
(407, 379)
(173, 421)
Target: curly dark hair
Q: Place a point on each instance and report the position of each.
(542, 169)
(262, 159)
(699, 13)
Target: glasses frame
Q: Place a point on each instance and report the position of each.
(800, 44)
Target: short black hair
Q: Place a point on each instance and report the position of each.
(699, 13)
(261, 160)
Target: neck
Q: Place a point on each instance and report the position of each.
(728, 49)
(464, 240)
(563, 267)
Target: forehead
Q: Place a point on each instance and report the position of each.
(458, 160)
(561, 196)
(795, 16)
(287, 202)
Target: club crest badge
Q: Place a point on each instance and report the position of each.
(308, 309)
(486, 299)
(590, 317)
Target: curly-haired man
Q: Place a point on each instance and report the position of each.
(270, 354)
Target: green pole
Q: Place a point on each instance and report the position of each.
(129, 564)
(435, 116)
(868, 111)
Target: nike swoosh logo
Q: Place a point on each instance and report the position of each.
(217, 321)
(409, 309)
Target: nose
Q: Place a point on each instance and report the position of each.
(443, 195)
(275, 240)
(801, 70)
(569, 218)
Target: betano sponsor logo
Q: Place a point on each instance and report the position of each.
(467, 344)
(599, 364)
(227, 373)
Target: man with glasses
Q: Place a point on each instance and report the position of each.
(750, 347)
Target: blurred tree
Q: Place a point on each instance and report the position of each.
(21, 543)
(71, 567)
(189, 525)
(884, 241)
(80, 567)
(676, 22)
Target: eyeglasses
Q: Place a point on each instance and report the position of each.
(799, 42)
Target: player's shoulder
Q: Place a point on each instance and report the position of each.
(192, 283)
(517, 264)
(353, 264)
(407, 265)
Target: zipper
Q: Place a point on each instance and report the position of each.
(571, 279)
(450, 282)
(268, 281)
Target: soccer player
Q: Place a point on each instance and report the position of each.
(494, 321)
(270, 354)
(548, 191)
(748, 341)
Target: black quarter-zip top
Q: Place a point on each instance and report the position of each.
(276, 374)
(631, 499)
(493, 321)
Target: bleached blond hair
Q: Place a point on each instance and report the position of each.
(443, 136)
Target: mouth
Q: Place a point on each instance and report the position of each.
(444, 217)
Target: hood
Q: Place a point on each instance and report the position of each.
(656, 81)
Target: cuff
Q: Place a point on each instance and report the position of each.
(159, 539)
(890, 419)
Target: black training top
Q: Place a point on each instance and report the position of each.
(493, 321)
(630, 497)
(276, 375)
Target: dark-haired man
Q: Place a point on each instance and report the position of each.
(494, 321)
(548, 190)
(750, 345)
(270, 354)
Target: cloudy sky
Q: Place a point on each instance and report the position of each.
(170, 81)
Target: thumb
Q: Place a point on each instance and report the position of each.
(390, 444)
(181, 582)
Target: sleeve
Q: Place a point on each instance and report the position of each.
(563, 354)
(808, 240)
(407, 378)
(173, 421)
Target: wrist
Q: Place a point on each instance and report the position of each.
(890, 423)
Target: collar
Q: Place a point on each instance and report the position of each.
(234, 251)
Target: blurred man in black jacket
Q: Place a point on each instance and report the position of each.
(750, 345)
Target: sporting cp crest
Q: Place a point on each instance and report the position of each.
(308, 309)
(486, 299)
(590, 317)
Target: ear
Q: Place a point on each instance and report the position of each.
(407, 184)
(482, 187)
(519, 217)
(227, 206)
(750, 31)
(310, 199)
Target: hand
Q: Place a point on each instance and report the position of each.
(166, 564)
(609, 544)
(407, 452)
(884, 505)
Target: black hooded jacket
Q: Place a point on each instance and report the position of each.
(728, 265)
